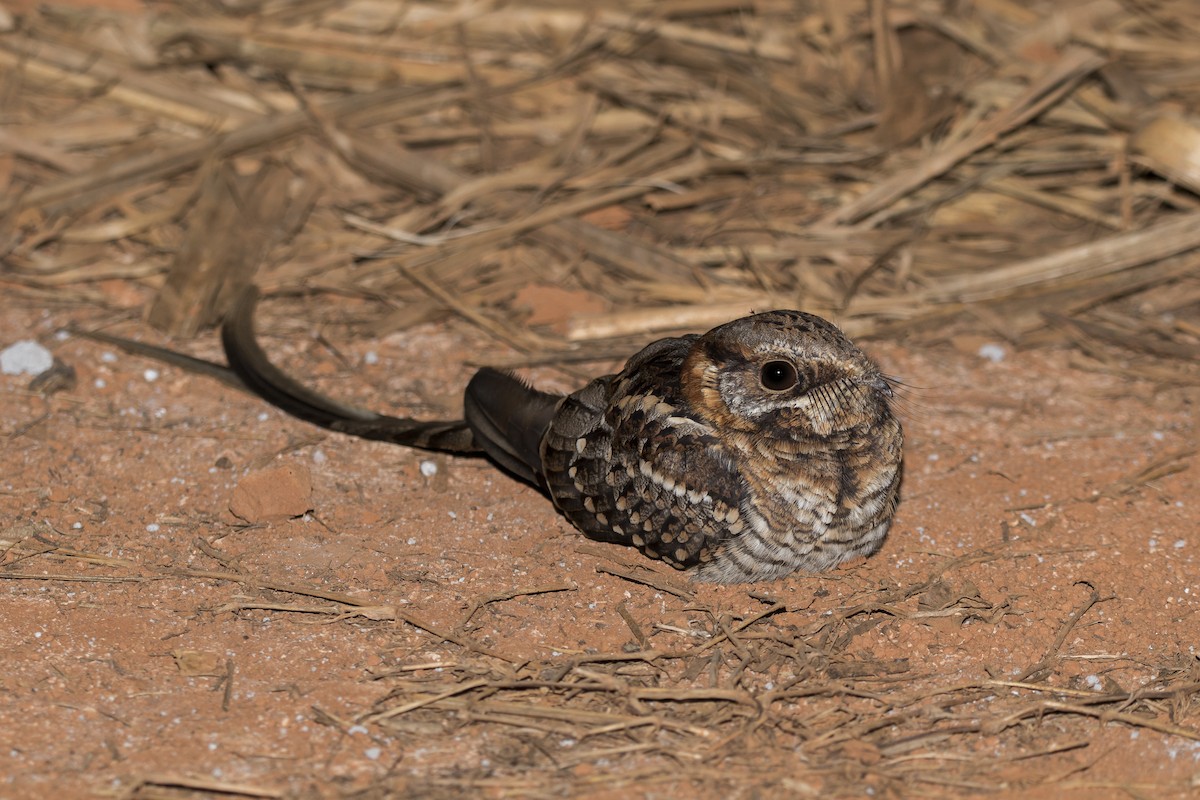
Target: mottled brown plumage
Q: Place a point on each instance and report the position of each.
(763, 447)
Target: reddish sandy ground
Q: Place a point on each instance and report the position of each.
(121, 666)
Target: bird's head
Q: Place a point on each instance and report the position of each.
(787, 374)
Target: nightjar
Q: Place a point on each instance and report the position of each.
(760, 448)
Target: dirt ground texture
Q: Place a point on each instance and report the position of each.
(998, 200)
(124, 662)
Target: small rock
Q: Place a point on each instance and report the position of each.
(553, 305)
(992, 352)
(194, 663)
(275, 493)
(25, 357)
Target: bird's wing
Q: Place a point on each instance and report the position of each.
(251, 365)
(627, 463)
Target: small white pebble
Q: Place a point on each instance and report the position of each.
(108, 357)
(25, 357)
(353, 729)
(99, 383)
(452, 514)
(263, 416)
(152, 527)
(411, 540)
(151, 375)
(371, 358)
(373, 753)
(993, 353)
(1180, 544)
(429, 468)
(319, 456)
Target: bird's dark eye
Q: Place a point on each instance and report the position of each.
(779, 376)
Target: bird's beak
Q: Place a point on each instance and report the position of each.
(880, 384)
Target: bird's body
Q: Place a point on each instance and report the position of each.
(760, 448)
(687, 456)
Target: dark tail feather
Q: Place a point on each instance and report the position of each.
(508, 419)
(279, 389)
(198, 366)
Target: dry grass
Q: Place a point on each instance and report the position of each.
(902, 171)
(740, 691)
(684, 162)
